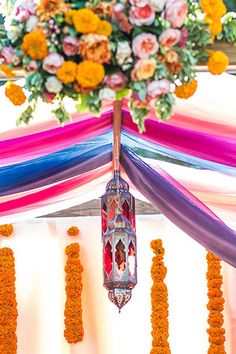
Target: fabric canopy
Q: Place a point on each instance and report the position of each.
(183, 166)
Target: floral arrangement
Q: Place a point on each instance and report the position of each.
(73, 231)
(215, 306)
(100, 50)
(74, 331)
(6, 230)
(159, 301)
(8, 308)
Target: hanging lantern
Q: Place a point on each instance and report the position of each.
(119, 259)
(116, 189)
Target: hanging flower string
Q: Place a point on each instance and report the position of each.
(74, 331)
(6, 230)
(8, 304)
(215, 306)
(73, 231)
(159, 302)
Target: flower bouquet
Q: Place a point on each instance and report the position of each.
(97, 50)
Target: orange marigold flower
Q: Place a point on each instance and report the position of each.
(15, 94)
(104, 28)
(86, 21)
(89, 74)
(96, 48)
(6, 230)
(67, 72)
(8, 308)
(217, 62)
(73, 231)
(69, 16)
(35, 45)
(74, 331)
(186, 90)
(215, 27)
(7, 71)
(49, 8)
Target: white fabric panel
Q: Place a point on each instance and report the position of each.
(39, 251)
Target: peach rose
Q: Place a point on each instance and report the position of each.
(144, 45)
(70, 45)
(176, 12)
(116, 81)
(144, 69)
(142, 16)
(52, 63)
(157, 88)
(169, 37)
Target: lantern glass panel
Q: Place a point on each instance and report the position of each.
(108, 258)
(104, 217)
(120, 258)
(131, 258)
(126, 210)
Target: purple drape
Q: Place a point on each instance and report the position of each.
(181, 207)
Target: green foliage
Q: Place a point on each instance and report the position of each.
(61, 114)
(26, 116)
(138, 115)
(229, 29)
(164, 106)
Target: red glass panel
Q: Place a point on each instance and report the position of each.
(104, 218)
(112, 210)
(120, 258)
(126, 210)
(108, 258)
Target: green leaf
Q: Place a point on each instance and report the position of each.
(26, 116)
(164, 106)
(61, 114)
(82, 105)
(121, 94)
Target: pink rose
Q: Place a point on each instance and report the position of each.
(169, 37)
(7, 54)
(183, 38)
(70, 45)
(142, 16)
(157, 88)
(24, 10)
(32, 66)
(144, 45)
(52, 63)
(138, 3)
(116, 81)
(176, 12)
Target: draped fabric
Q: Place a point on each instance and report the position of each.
(184, 166)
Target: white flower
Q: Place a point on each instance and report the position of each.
(14, 32)
(123, 53)
(158, 5)
(31, 23)
(107, 94)
(53, 85)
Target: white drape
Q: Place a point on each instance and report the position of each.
(39, 252)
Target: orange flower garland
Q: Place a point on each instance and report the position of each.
(215, 306)
(15, 93)
(6, 230)
(8, 304)
(73, 231)
(159, 302)
(217, 62)
(74, 331)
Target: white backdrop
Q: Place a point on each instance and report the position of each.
(39, 252)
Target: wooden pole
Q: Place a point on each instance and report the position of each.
(117, 118)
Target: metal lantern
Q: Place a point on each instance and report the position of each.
(119, 260)
(117, 190)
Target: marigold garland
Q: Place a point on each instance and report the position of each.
(73, 231)
(215, 306)
(186, 90)
(217, 62)
(74, 331)
(159, 302)
(35, 45)
(8, 304)
(214, 10)
(6, 230)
